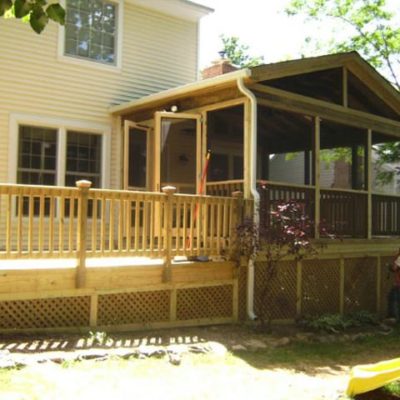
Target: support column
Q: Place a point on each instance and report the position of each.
(368, 167)
(316, 175)
(247, 150)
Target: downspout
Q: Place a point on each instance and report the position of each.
(253, 191)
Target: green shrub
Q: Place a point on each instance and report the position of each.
(333, 323)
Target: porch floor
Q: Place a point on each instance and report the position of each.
(95, 262)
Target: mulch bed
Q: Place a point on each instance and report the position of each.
(378, 394)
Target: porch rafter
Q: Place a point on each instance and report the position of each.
(288, 101)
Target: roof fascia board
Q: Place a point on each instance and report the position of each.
(171, 94)
(184, 9)
(375, 81)
(299, 66)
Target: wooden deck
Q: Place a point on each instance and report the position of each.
(119, 294)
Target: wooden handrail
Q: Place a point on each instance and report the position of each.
(53, 222)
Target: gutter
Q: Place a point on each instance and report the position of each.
(253, 190)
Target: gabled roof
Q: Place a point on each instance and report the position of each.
(352, 61)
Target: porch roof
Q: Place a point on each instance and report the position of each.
(385, 93)
(195, 88)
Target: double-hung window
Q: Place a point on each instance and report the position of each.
(40, 156)
(37, 156)
(91, 30)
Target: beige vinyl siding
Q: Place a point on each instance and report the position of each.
(158, 52)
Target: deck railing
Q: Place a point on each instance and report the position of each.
(53, 222)
(344, 212)
(385, 215)
(224, 188)
(273, 194)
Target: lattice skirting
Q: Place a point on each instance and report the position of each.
(58, 312)
(135, 309)
(315, 287)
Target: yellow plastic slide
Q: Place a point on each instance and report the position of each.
(364, 378)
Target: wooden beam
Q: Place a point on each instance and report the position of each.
(372, 79)
(288, 101)
(296, 67)
(345, 86)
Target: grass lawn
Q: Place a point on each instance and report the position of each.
(301, 371)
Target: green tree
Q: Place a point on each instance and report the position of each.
(374, 31)
(238, 53)
(36, 12)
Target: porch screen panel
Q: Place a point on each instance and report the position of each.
(285, 143)
(137, 167)
(178, 154)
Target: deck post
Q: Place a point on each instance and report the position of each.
(317, 177)
(169, 191)
(83, 187)
(369, 183)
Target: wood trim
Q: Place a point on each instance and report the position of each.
(247, 149)
(341, 285)
(299, 289)
(369, 183)
(317, 176)
(378, 284)
(127, 126)
(157, 148)
(379, 85)
(299, 66)
(345, 88)
(281, 99)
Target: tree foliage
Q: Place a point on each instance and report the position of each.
(284, 231)
(375, 31)
(238, 53)
(36, 12)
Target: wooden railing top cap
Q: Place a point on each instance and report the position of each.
(83, 184)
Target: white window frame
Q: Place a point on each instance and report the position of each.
(88, 62)
(62, 125)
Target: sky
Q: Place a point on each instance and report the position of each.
(261, 24)
(264, 26)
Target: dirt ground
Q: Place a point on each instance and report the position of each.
(275, 366)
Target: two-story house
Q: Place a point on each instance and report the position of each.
(57, 87)
(113, 98)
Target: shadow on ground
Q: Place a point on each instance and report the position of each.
(245, 342)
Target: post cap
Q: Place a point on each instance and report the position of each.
(169, 189)
(83, 184)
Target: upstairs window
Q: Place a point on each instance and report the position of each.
(91, 30)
